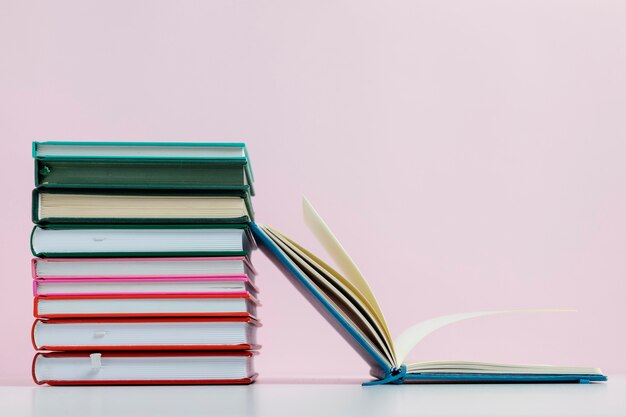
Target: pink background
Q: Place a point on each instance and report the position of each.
(469, 155)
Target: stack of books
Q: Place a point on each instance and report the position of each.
(143, 273)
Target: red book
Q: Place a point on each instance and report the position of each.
(130, 334)
(143, 368)
(146, 305)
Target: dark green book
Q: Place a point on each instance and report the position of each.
(128, 206)
(142, 173)
(114, 240)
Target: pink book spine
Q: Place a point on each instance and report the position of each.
(156, 259)
(242, 278)
(217, 258)
(148, 279)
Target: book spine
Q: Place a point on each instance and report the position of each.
(32, 334)
(32, 244)
(33, 370)
(33, 267)
(35, 206)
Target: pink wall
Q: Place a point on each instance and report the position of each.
(470, 155)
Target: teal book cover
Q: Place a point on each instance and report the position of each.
(147, 240)
(157, 165)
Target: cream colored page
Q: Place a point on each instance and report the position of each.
(408, 339)
(342, 304)
(83, 205)
(487, 367)
(345, 263)
(334, 279)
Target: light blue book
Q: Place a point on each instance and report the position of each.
(348, 304)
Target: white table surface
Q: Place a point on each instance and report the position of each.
(314, 398)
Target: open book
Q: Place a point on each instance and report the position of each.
(347, 302)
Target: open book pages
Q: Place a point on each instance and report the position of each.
(350, 295)
(459, 367)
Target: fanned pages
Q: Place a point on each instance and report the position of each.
(340, 296)
(351, 272)
(410, 337)
(352, 306)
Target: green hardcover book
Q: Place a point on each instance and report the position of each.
(144, 165)
(141, 174)
(122, 206)
(115, 240)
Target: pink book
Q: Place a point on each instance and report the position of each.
(142, 268)
(213, 285)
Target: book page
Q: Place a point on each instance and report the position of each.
(334, 285)
(458, 367)
(409, 338)
(345, 263)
